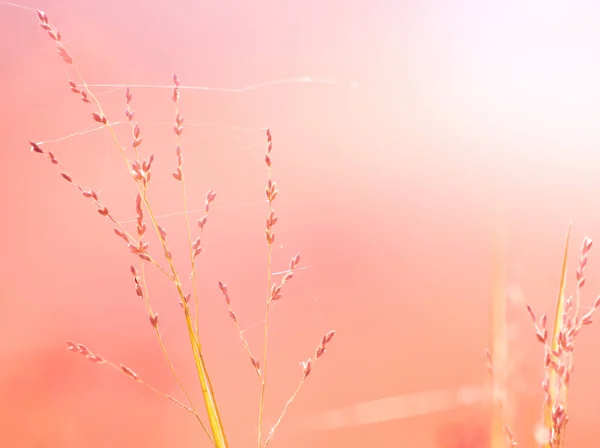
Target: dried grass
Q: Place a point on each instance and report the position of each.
(140, 169)
(558, 357)
(558, 346)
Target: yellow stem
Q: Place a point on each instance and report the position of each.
(207, 391)
(265, 342)
(558, 321)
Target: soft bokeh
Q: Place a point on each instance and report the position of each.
(423, 129)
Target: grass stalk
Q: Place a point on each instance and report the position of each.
(553, 380)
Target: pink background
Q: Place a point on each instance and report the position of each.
(427, 126)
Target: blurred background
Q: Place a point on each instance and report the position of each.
(423, 131)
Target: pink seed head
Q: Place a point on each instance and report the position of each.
(42, 16)
(137, 142)
(99, 118)
(270, 236)
(127, 371)
(202, 221)
(36, 148)
(294, 261)
(328, 337)
(54, 35)
(320, 351)
(587, 245)
(63, 53)
(96, 358)
(163, 232)
(210, 196)
(530, 311)
(84, 97)
(83, 349)
(196, 243)
(66, 177)
(306, 367)
(587, 319)
(91, 194)
(121, 234)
